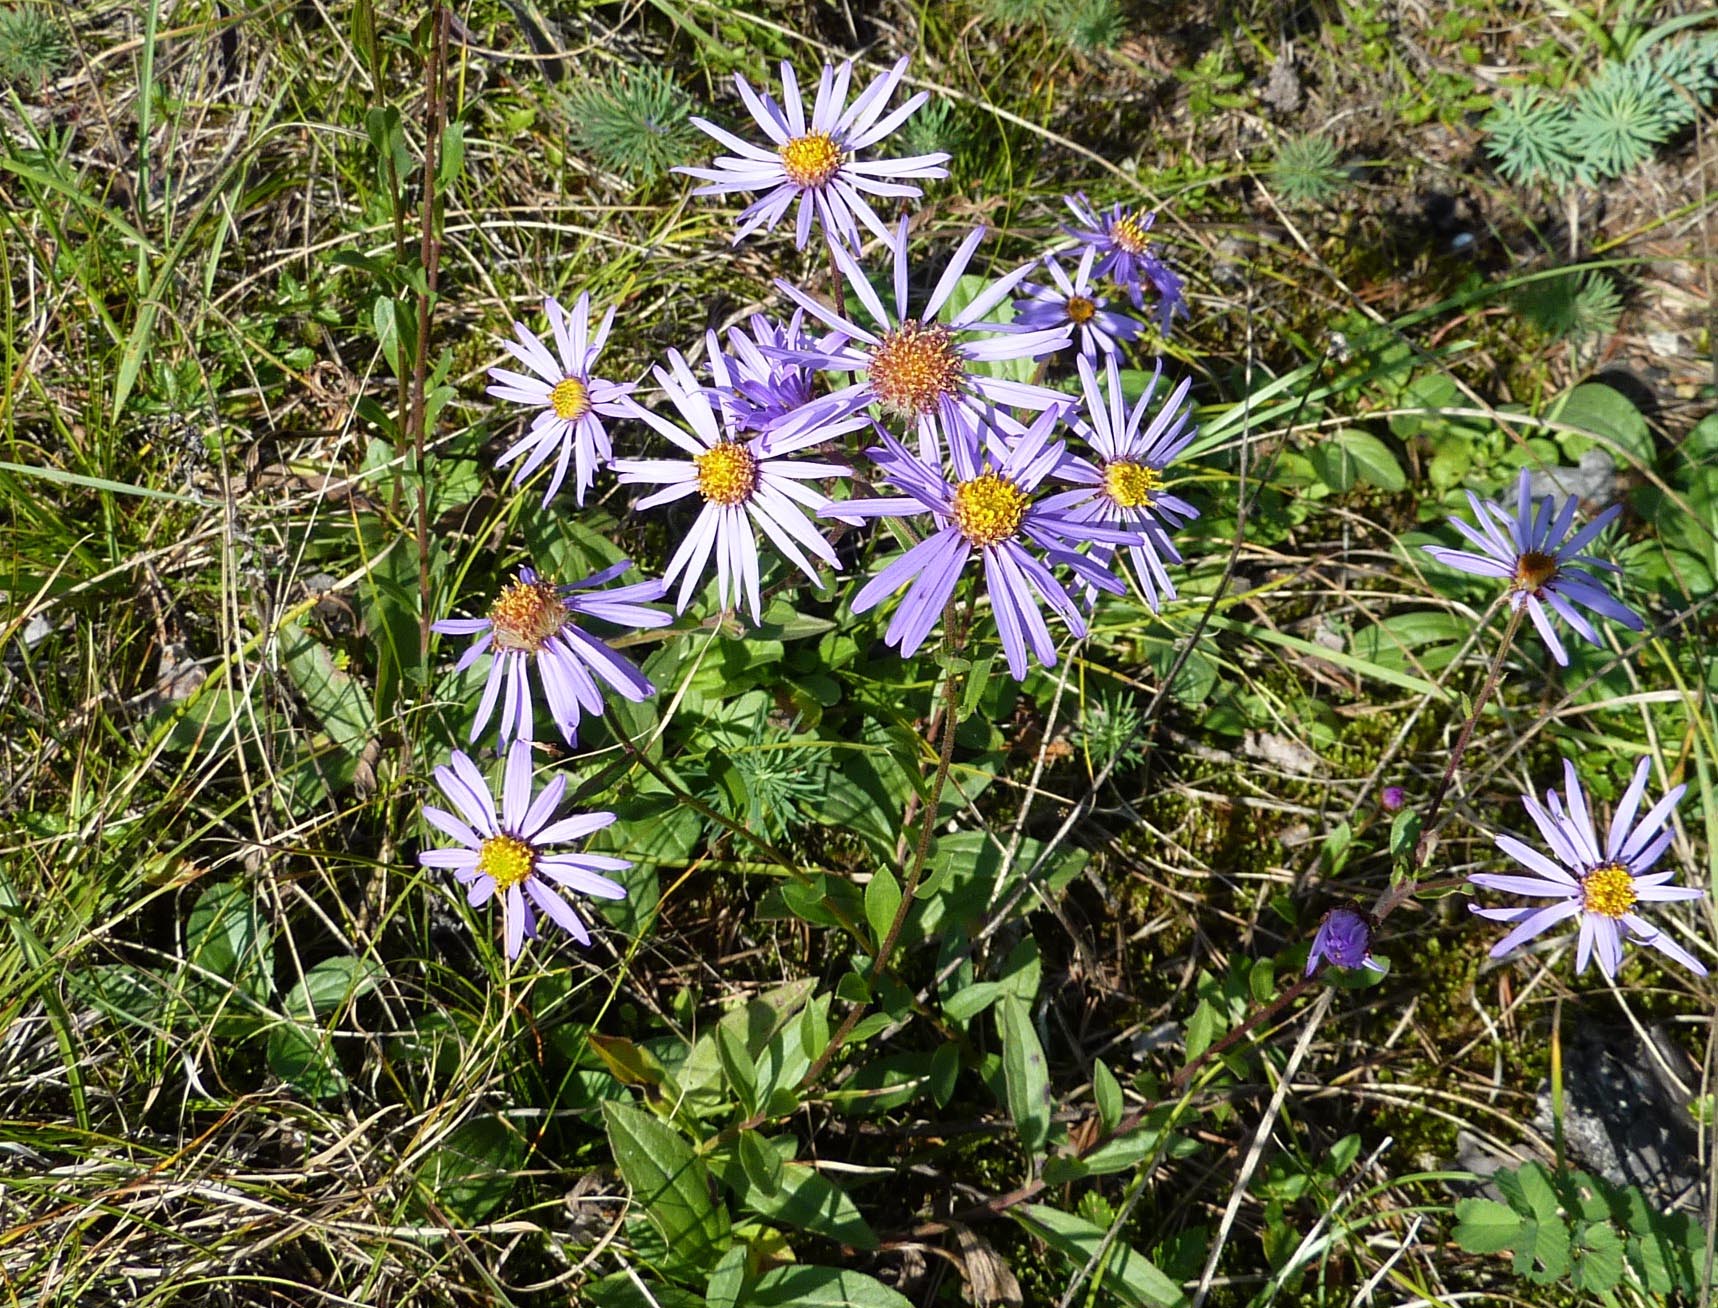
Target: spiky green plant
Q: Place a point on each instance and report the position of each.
(782, 781)
(1618, 120)
(1013, 12)
(1577, 306)
(1109, 728)
(936, 126)
(33, 49)
(1088, 26)
(1305, 170)
(633, 121)
(1528, 135)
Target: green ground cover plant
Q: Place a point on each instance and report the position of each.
(756, 654)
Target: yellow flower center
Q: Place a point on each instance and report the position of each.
(1131, 485)
(810, 160)
(1129, 233)
(1608, 890)
(1534, 571)
(989, 509)
(727, 473)
(507, 859)
(571, 399)
(525, 614)
(913, 367)
(1080, 310)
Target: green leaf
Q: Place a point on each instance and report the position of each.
(471, 1173)
(804, 1198)
(1106, 1090)
(1026, 1075)
(728, 1282)
(452, 158)
(331, 984)
(822, 1287)
(737, 1065)
(761, 1163)
(945, 1073)
(814, 1027)
(1350, 455)
(669, 1182)
(1127, 1273)
(882, 900)
(226, 936)
(1608, 415)
(1201, 1029)
(303, 1057)
(623, 1291)
(1598, 1258)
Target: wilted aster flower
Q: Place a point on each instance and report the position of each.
(1125, 487)
(505, 853)
(1393, 798)
(1345, 939)
(1602, 886)
(1523, 549)
(989, 509)
(532, 621)
(747, 484)
(918, 368)
(1125, 256)
(1075, 304)
(815, 161)
(571, 399)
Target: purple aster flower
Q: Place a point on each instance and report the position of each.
(532, 621)
(1526, 548)
(758, 390)
(1602, 886)
(747, 485)
(1345, 939)
(571, 399)
(505, 853)
(1394, 799)
(815, 161)
(1125, 256)
(920, 369)
(1075, 304)
(1125, 487)
(988, 508)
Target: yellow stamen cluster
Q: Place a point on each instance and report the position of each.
(989, 509)
(913, 367)
(506, 859)
(1534, 571)
(1608, 890)
(525, 614)
(1131, 485)
(571, 399)
(1080, 310)
(810, 160)
(727, 473)
(1129, 233)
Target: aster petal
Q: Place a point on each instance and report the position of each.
(1649, 825)
(542, 810)
(464, 785)
(513, 913)
(1662, 942)
(557, 910)
(449, 825)
(1526, 854)
(449, 860)
(1537, 921)
(569, 873)
(575, 826)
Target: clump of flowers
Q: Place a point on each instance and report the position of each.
(1121, 238)
(1602, 886)
(990, 509)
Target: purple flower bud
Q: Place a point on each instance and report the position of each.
(1393, 798)
(1345, 939)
